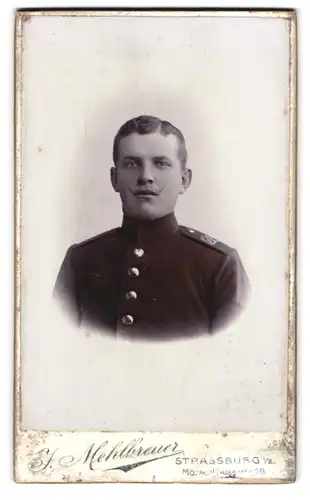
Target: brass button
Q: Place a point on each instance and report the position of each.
(131, 295)
(133, 271)
(138, 252)
(127, 319)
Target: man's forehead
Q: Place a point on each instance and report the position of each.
(154, 144)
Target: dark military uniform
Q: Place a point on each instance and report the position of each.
(153, 279)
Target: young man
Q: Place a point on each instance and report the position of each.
(151, 277)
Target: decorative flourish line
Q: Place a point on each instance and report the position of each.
(129, 467)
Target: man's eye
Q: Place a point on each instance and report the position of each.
(130, 164)
(162, 163)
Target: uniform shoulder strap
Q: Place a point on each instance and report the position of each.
(204, 239)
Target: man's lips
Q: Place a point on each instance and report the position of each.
(145, 192)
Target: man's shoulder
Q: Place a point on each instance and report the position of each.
(99, 239)
(205, 240)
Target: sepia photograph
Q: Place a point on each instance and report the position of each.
(185, 282)
(155, 239)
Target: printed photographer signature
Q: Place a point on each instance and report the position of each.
(96, 455)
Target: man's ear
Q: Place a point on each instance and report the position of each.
(113, 177)
(186, 180)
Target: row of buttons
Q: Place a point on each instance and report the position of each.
(134, 272)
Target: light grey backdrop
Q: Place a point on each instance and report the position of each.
(224, 83)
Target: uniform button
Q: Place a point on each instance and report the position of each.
(127, 319)
(131, 295)
(133, 271)
(138, 252)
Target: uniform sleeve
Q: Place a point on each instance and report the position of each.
(65, 289)
(231, 291)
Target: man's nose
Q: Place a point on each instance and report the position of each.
(146, 173)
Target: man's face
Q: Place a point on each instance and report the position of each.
(149, 175)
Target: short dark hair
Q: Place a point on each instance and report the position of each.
(146, 124)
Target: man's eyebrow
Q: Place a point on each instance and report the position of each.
(130, 157)
(161, 157)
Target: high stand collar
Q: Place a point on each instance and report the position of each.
(144, 232)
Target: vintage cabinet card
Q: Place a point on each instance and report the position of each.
(155, 246)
